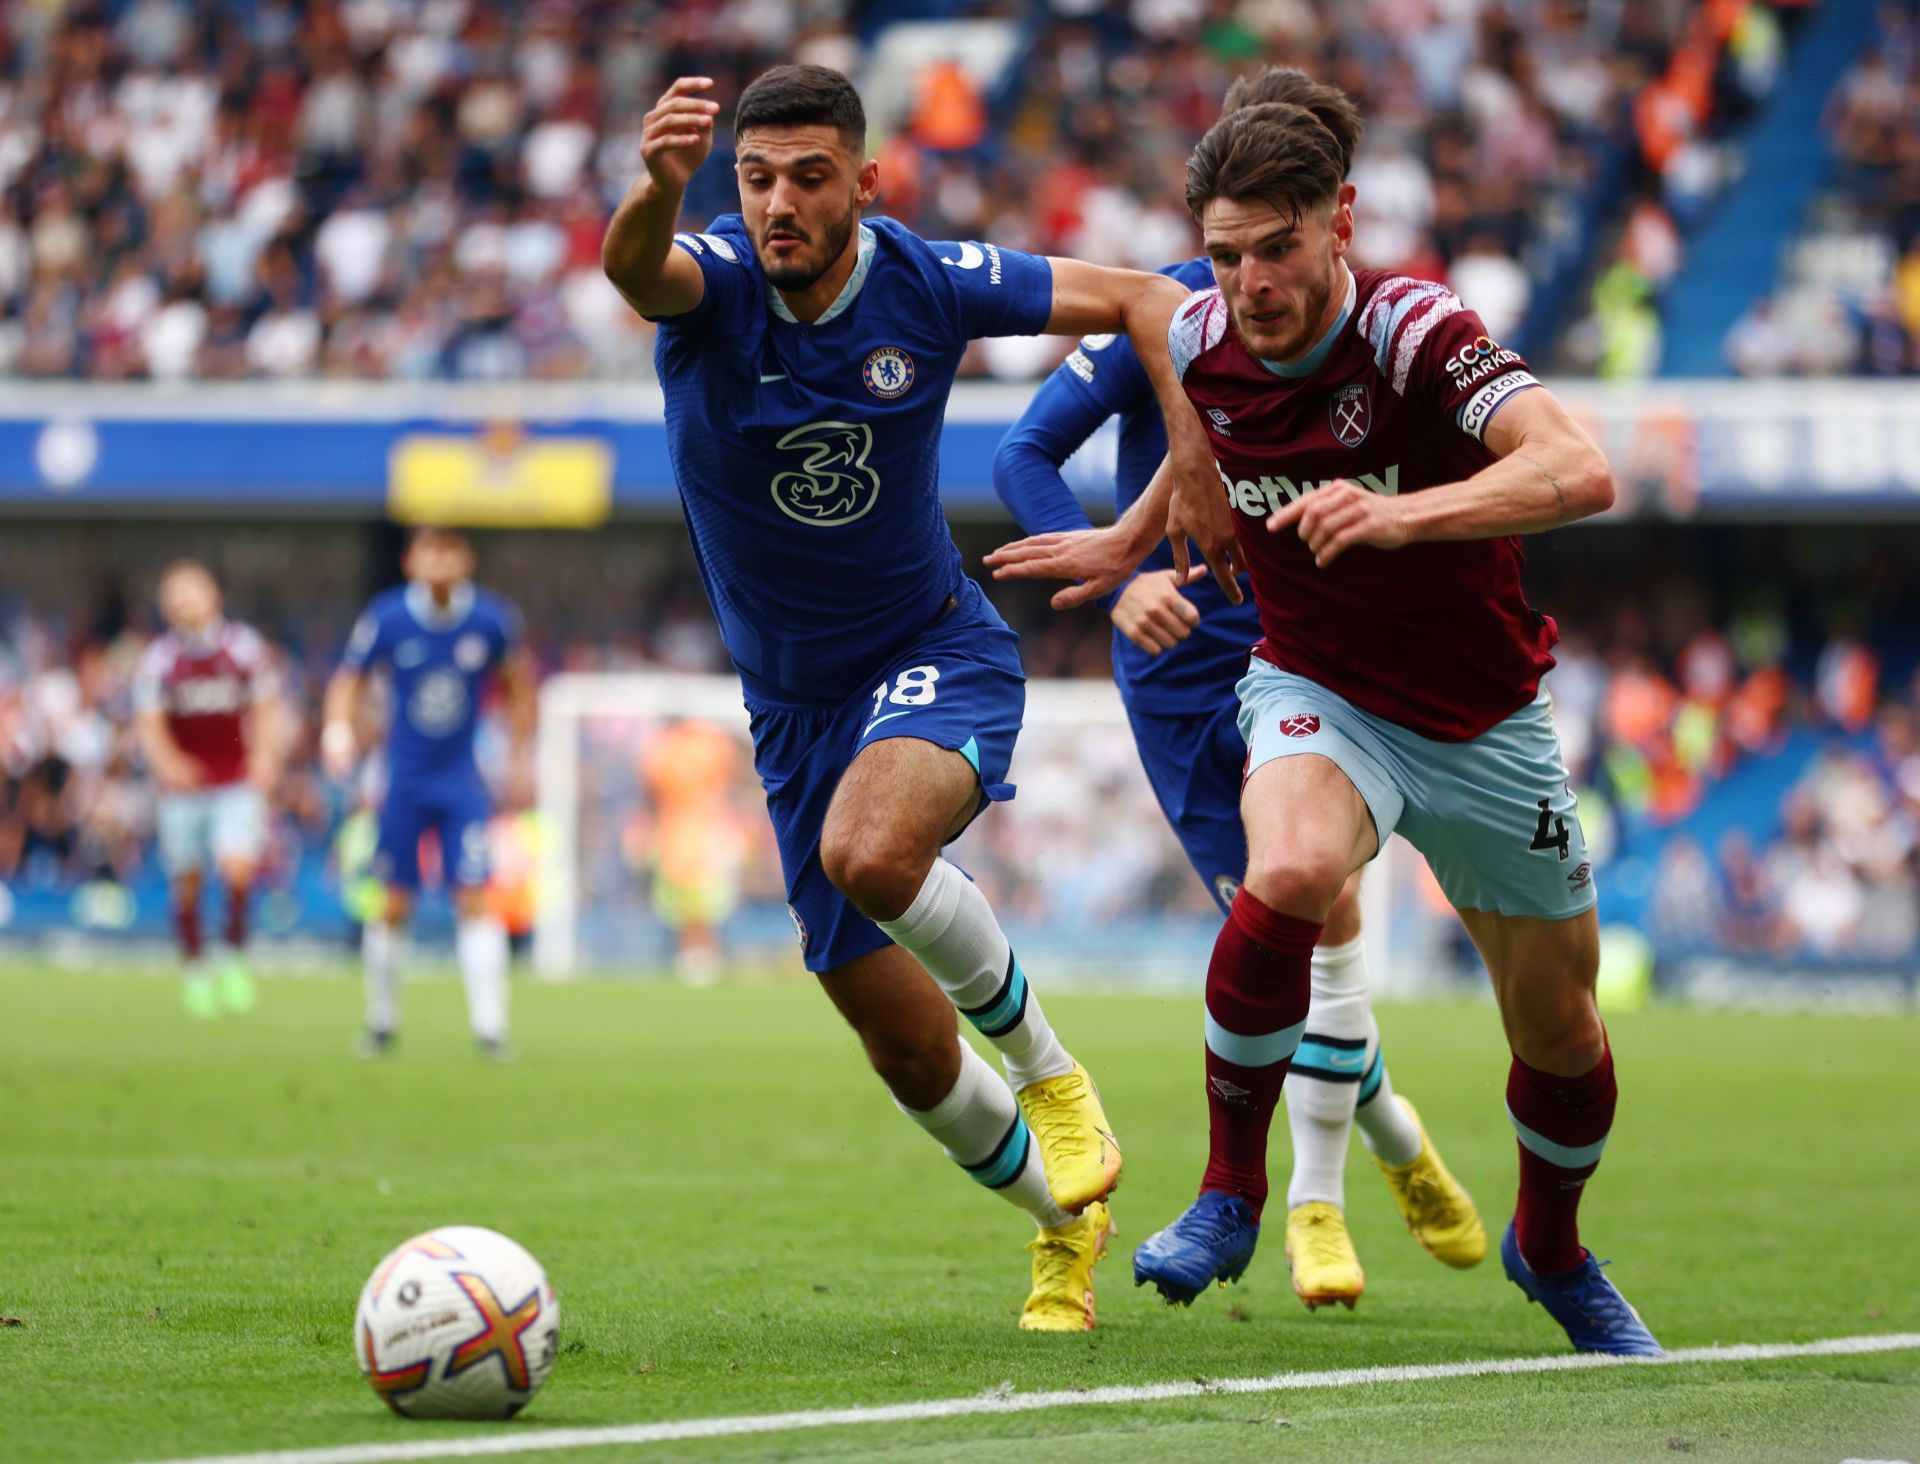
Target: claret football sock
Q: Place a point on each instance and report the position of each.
(980, 1127)
(1256, 1012)
(186, 928)
(1562, 1126)
(951, 930)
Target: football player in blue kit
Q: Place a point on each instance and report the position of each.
(442, 641)
(806, 357)
(1179, 650)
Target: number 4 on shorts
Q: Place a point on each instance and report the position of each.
(1555, 838)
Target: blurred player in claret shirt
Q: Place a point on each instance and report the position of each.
(443, 641)
(204, 710)
(1379, 455)
(1179, 651)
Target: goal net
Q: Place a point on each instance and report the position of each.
(657, 853)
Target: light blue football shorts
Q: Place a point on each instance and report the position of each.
(222, 824)
(1494, 816)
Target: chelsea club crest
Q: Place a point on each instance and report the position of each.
(888, 372)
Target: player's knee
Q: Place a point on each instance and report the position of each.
(1343, 920)
(879, 875)
(1296, 879)
(1565, 1037)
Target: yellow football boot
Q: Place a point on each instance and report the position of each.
(1063, 1262)
(1325, 1268)
(1077, 1146)
(1437, 1210)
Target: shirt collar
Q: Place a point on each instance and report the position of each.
(863, 261)
(204, 641)
(1316, 358)
(420, 605)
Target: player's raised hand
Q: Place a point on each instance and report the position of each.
(1331, 520)
(1101, 559)
(677, 135)
(1153, 614)
(1201, 514)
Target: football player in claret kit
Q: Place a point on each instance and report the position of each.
(203, 700)
(1179, 651)
(1378, 458)
(442, 641)
(806, 358)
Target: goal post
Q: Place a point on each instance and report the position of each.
(654, 822)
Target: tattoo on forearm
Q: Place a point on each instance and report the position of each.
(1559, 494)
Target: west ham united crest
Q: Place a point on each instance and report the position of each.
(1351, 410)
(888, 372)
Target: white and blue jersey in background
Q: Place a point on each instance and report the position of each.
(440, 661)
(807, 457)
(1181, 702)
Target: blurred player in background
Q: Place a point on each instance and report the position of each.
(205, 712)
(442, 642)
(806, 358)
(692, 845)
(1379, 454)
(1179, 650)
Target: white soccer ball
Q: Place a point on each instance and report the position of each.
(457, 1323)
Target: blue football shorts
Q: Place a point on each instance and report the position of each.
(456, 809)
(958, 686)
(1195, 762)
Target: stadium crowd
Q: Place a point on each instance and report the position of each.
(1850, 302)
(217, 189)
(1665, 701)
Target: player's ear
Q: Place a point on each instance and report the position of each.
(866, 183)
(1340, 224)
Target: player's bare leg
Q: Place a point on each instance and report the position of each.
(1308, 828)
(1561, 1097)
(480, 943)
(900, 801)
(197, 990)
(898, 804)
(235, 979)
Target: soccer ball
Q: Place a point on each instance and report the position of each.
(457, 1323)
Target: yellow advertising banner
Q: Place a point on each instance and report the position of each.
(500, 478)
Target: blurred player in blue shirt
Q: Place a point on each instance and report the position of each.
(1179, 651)
(806, 356)
(441, 641)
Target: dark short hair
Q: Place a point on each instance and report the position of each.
(1290, 84)
(1274, 153)
(445, 533)
(802, 96)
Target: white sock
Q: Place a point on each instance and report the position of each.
(380, 963)
(951, 930)
(980, 1127)
(481, 944)
(1324, 1082)
(1390, 1136)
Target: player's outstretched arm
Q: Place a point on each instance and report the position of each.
(637, 253)
(1549, 473)
(517, 681)
(340, 710)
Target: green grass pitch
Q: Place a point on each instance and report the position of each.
(737, 1222)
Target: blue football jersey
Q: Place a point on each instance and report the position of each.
(807, 455)
(439, 661)
(1103, 377)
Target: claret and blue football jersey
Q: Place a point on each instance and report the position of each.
(807, 454)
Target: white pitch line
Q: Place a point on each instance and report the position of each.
(511, 1441)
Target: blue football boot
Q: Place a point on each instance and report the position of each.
(1597, 1317)
(1212, 1241)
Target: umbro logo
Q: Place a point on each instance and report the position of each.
(1222, 423)
(1229, 1092)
